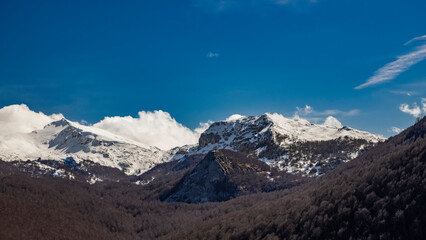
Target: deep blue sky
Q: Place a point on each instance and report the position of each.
(90, 59)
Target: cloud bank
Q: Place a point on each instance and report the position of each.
(395, 68)
(20, 119)
(155, 128)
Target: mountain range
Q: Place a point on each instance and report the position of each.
(290, 145)
(379, 194)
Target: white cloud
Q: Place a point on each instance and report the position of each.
(402, 64)
(304, 111)
(156, 128)
(316, 117)
(203, 127)
(212, 55)
(331, 121)
(396, 130)
(234, 117)
(352, 112)
(403, 92)
(308, 110)
(20, 119)
(416, 39)
(414, 111)
(222, 5)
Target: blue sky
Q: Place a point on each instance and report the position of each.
(204, 60)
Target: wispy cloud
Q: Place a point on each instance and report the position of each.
(352, 112)
(393, 69)
(304, 111)
(309, 110)
(212, 55)
(222, 5)
(396, 130)
(416, 39)
(403, 92)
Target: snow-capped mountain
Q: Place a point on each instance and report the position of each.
(63, 139)
(293, 145)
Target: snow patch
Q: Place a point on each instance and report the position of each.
(144, 182)
(93, 179)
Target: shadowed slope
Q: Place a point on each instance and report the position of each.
(225, 174)
(380, 195)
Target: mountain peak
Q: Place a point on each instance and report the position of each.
(291, 144)
(60, 123)
(234, 117)
(62, 138)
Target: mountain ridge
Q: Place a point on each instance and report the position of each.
(379, 195)
(290, 145)
(293, 145)
(61, 139)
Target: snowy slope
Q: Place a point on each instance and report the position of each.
(61, 139)
(256, 128)
(294, 145)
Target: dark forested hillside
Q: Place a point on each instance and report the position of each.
(379, 195)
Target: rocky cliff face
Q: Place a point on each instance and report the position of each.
(224, 174)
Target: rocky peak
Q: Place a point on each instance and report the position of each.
(60, 123)
(291, 144)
